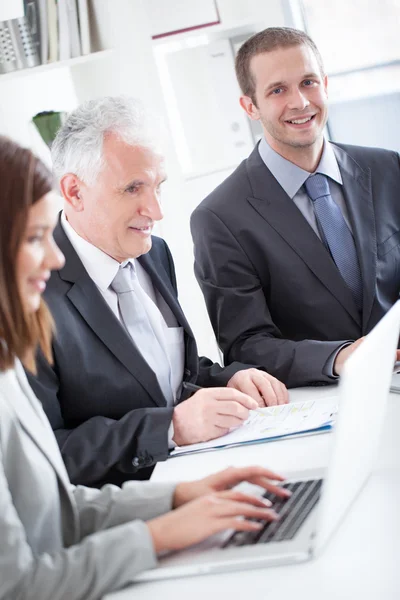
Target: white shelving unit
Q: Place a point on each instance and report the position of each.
(121, 63)
(55, 65)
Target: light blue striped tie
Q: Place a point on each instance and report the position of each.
(337, 234)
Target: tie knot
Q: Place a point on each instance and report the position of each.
(317, 186)
(123, 281)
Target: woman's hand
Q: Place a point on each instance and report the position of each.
(227, 479)
(207, 515)
(209, 505)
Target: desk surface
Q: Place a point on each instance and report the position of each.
(361, 559)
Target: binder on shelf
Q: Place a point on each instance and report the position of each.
(32, 14)
(64, 48)
(53, 30)
(44, 32)
(84, 27)
(73, 27)
(49, 31)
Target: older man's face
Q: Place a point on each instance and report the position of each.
(120, 209)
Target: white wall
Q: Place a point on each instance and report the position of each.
(131, 69)
(237, 16)
(23, 97)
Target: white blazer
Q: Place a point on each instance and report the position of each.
(58, 541)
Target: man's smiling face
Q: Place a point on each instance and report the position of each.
(290, 98)
(117, 214)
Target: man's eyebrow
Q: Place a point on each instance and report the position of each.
(134, 182)
(275, 84)
(310, 75)
(138, 182)
(278, 84)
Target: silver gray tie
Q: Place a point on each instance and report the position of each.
(137, 323)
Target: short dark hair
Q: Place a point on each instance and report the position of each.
(24, 181)
(266, 41)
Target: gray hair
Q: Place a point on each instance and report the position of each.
(78, 146)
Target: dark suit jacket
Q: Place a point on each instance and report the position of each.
(104, 403)
(274, 295)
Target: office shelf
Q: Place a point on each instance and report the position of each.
(55, 65)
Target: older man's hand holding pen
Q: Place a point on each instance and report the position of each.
(209, 413)
(212, 412)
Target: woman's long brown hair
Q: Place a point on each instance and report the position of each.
(24, 180)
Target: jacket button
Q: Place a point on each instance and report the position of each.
(136, 462)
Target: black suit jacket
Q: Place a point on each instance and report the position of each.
(103, 401)
(274, 295)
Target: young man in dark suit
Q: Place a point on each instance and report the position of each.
(298, 251)
(123, 348)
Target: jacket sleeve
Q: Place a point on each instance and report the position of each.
(210, 374)
(111, 506)
(139, 439)
(213, 375)
(239, 311)
(104, 561)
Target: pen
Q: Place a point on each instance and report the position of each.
(191, 387)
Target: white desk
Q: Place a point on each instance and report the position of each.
(361, 560)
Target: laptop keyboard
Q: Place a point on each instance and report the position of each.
(292, 511)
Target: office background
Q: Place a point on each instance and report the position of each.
(178, 57)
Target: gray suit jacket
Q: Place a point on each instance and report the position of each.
(274, 295)
(60, 542)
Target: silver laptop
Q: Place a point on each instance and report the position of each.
(395, 386)
(318, 503)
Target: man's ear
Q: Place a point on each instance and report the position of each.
(71, 188)
(326, 85)
(249, 107)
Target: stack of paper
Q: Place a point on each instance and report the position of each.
(275, 422)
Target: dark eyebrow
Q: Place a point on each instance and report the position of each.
(311, 76)
(274, 85)
(278, 84)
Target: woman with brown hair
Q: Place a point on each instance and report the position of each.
(59, 541)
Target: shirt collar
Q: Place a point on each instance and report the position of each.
(291, 177)
(100, 266)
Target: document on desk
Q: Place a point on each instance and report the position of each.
(272, 423)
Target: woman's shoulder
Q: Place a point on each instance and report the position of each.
(8, 387)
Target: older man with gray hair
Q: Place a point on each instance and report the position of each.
(124, 355)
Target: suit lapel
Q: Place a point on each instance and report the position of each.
(35, 423)
(164, 287)
(168, 294)
(357, 191)
(274, 205)
(91, 305)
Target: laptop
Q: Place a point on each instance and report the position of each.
(321, 500)
(395, 386)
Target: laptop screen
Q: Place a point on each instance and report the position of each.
(363, 392)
